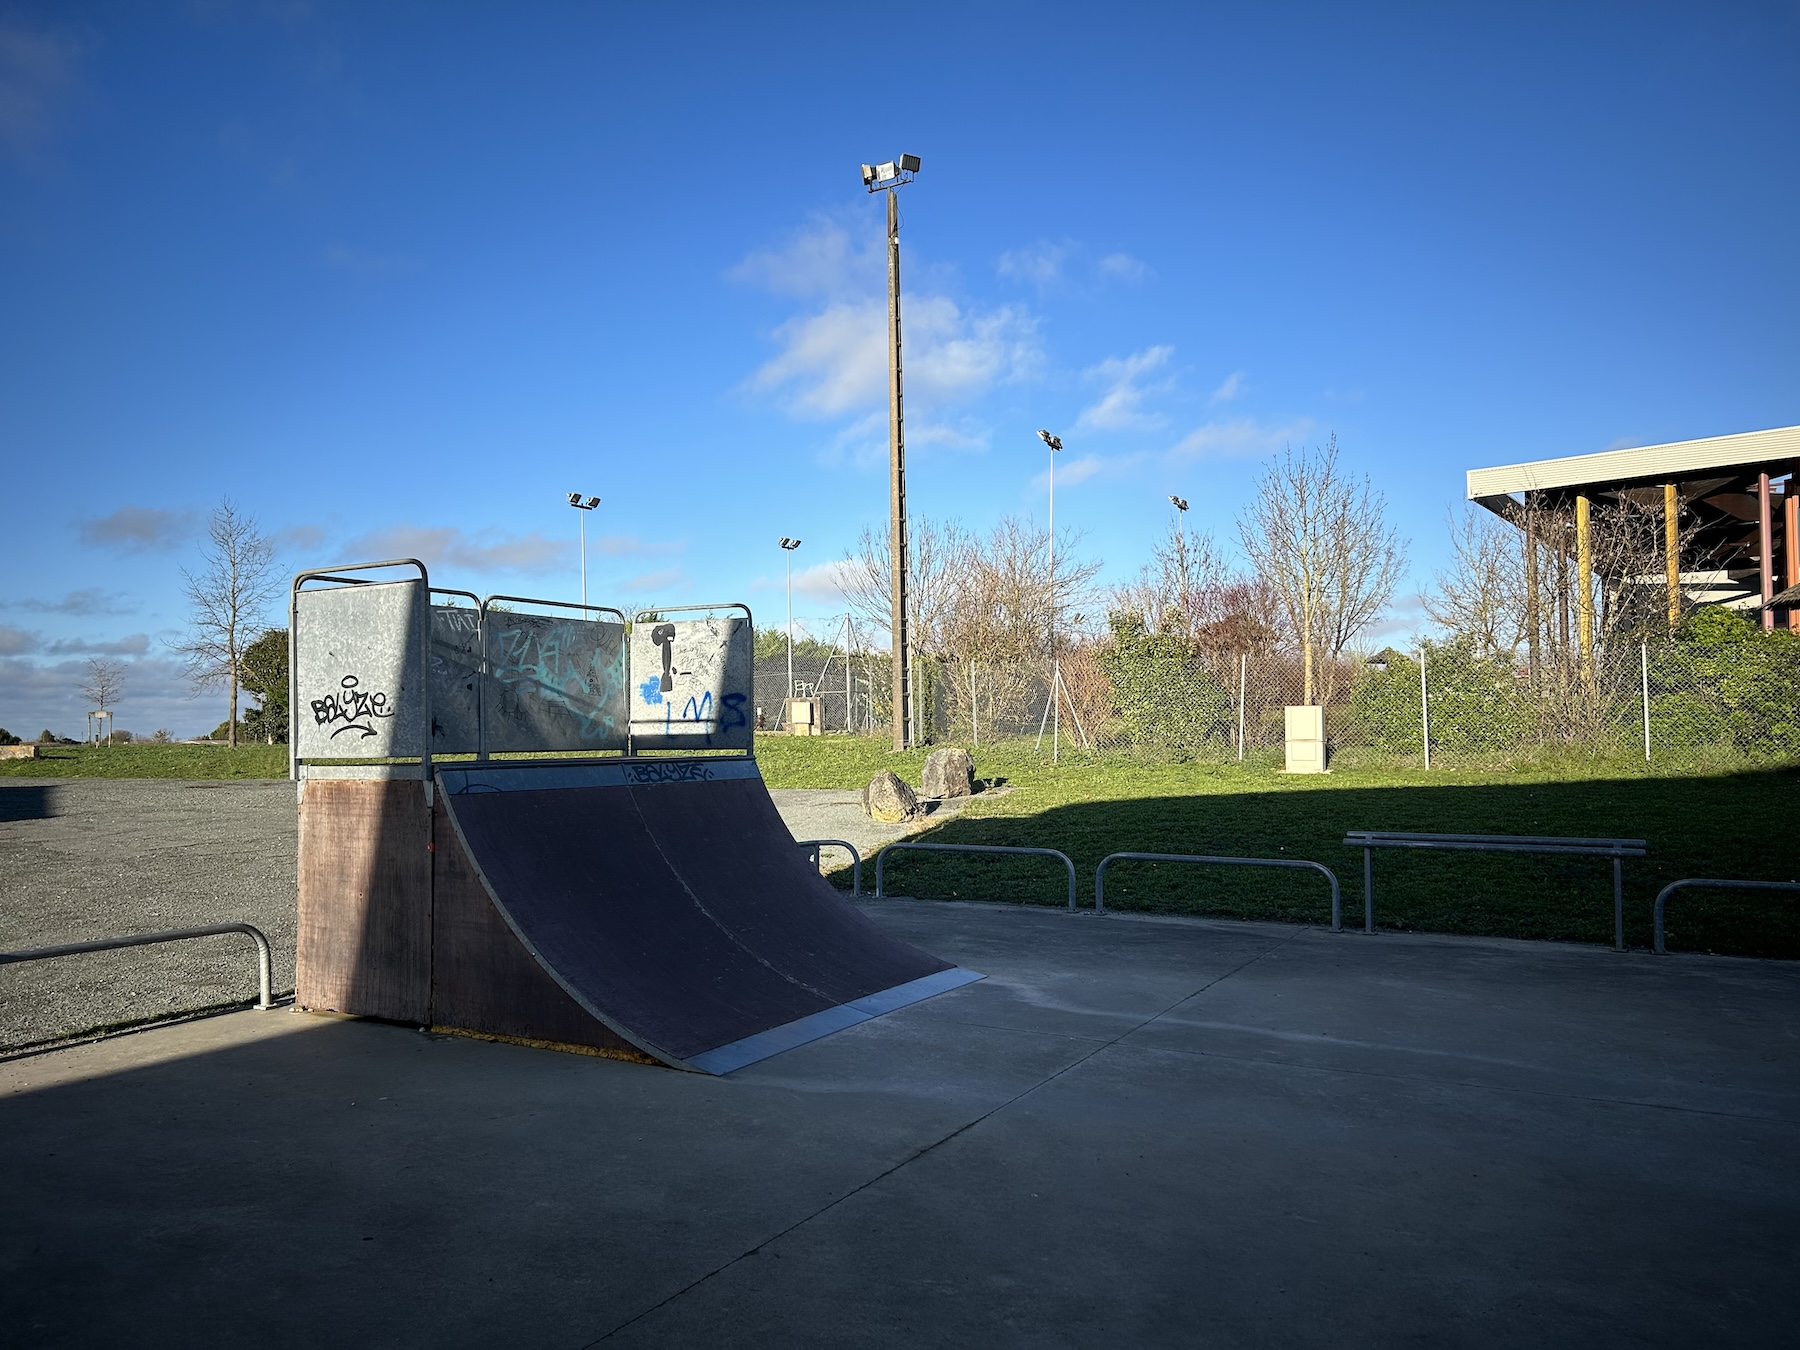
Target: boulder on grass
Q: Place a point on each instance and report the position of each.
(949, 772)
(889, 800)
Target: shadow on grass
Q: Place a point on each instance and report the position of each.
(1728, 825)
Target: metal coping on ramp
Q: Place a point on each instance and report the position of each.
(776, 1039)
(705, 938)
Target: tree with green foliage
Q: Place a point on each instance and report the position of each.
(1727, 682)
(265, 678)
(1166, 695)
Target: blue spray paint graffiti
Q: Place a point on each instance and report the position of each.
(559, 666)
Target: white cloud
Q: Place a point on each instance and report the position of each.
(1239, 437)
(157, 694)
(668, 579)
(17, 641)
(90, 600)
(134, 645)
(297, 538)
(833, 361)
(1123, 267)
(1229, 388)
(484, 551)
(139, 529)
(628, 545)
(822, 581)
(1039, 264)
(36, 70)
(1119, 408)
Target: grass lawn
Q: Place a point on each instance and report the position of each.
(1724, 822)
(150, 761)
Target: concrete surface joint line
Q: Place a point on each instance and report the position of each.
(1337, 907)
(255, 934)
(855, 858)
(1710, 883)
(881, 858)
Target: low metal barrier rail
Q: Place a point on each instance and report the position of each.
(881, 858)
(1337, 909)
(1711, 883)
(264, 962)
(855, 858)
(1616, 849)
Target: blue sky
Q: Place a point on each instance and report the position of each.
(397, 277)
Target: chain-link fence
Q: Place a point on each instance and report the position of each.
(1666, 701)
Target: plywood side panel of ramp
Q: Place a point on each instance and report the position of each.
(668, 901)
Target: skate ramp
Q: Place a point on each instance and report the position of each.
(668, 902)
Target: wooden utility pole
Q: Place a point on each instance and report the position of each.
(897, 550)
(1584, 582)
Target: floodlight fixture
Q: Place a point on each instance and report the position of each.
(583, 504)
(1054, 442)
(789, 544)
(1179, 503)
(891, 173)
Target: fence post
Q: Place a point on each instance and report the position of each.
(1644, 667)
(1243, 685)
(1424, 708)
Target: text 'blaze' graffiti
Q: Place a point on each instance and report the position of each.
(355, 707)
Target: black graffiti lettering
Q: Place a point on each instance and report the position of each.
(670, 773)
(356, 708)
(663, 635)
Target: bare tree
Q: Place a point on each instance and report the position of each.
(1320, 538)
(227, 598)
(105, 684)
(1482, 594)
(1188, 589)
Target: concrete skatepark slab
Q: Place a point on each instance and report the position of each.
(1134, 1132)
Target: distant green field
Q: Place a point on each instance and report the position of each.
(1730, 822)
(150, 761)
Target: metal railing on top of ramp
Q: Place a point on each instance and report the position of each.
(1337, 908)
(855, 858)
(263, 959)
(1711, 883)
(881, 858)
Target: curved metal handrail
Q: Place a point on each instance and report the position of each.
(855, 858)
(1337, 906)
(264, 961)
(881, 858)
(1712, 883)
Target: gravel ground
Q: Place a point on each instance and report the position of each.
(90, 858)
(94, 857)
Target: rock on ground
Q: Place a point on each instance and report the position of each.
(889, 799)
(949, 772)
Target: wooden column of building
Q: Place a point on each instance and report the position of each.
(1584, 582)
(1533, 620)
(1672, 550)
(1765, 548)
(1790, 530)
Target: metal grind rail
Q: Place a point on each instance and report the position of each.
(1711, 884)
(1337, 909)
(855, 858)
(1616, 849)
(881, 858)
(263, 959)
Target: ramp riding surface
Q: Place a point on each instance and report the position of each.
(668, 900)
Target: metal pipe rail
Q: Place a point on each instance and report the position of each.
(1712, 883)
(855, 858)
(263, 960)
(1616, 849)
(1337, 907)
(881, 858)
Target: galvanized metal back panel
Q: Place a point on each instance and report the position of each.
(691, 684)
(359, 671)
(554, 683)
(455, 661)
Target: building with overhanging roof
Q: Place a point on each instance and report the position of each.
(1729, 509)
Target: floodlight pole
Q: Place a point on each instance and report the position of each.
(787, 547)
(582, 507)
(1055, 665)
(897, 540)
